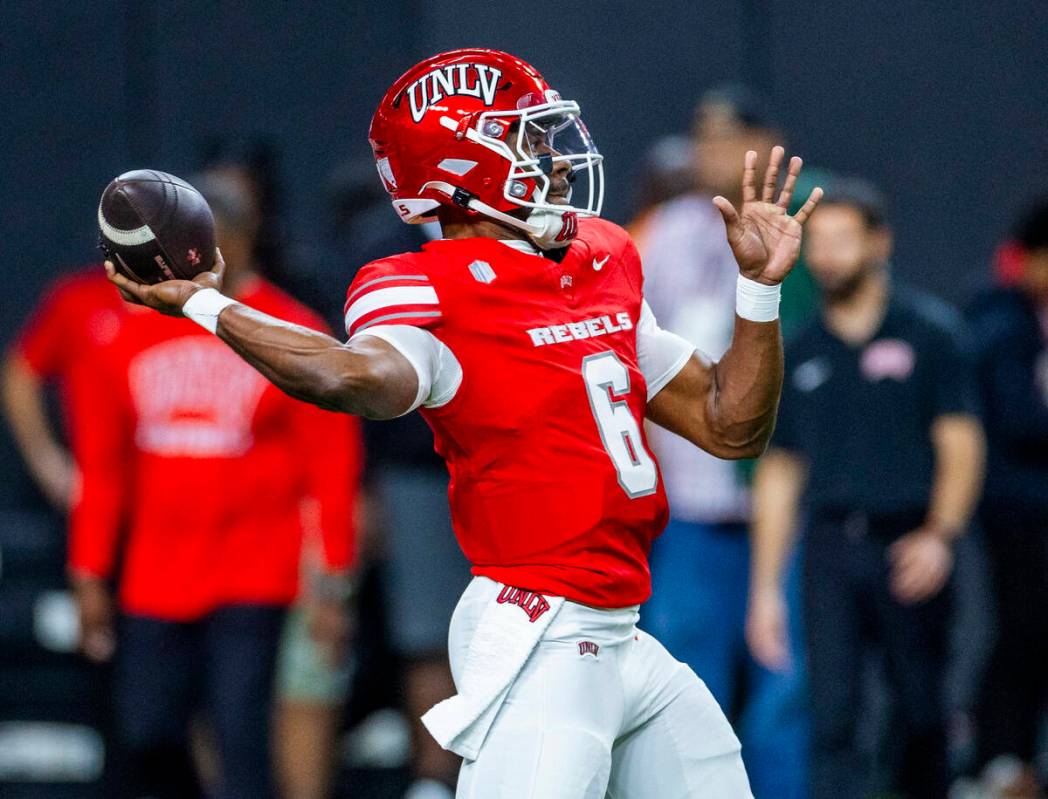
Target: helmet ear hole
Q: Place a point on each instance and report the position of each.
(494, 129)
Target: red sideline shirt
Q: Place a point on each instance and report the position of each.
(553, 488)
(209, 467)
(78, 313)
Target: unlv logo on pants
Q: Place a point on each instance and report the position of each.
(532, 603)
(588, 648)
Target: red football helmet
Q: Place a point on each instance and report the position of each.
(482, 130)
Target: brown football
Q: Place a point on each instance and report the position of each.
(155, 227)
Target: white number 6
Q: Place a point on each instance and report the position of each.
(607, 378)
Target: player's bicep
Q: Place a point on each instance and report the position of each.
(679, 379)
(437, 373)
(682, 405)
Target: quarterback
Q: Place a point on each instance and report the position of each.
(523, 338)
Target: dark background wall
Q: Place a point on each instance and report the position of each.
(944, 104)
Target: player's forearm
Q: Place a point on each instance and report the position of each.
(959, 459)
(744, 397)
(777, 486)
(311, 366)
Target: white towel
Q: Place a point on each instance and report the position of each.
(501, 644)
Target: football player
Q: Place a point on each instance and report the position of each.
(524, 339)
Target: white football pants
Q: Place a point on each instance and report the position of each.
(600, 709)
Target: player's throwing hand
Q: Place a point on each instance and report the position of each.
(764, 238)
(169, 296)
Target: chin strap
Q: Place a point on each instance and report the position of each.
(548, 229)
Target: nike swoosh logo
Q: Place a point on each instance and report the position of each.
(598, 265)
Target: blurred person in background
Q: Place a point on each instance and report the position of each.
(878, 440)
(700, 565)
(312, 685)
(666, 171)
(253, 163)
(79, 313)
(1011, 328)
(426, 571)
(205, 584)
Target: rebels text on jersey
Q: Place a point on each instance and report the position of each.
(553, 487)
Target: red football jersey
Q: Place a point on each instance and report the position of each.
(553, 487)
(79, 313)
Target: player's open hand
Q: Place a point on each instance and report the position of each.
(169, 296)
(764, 238)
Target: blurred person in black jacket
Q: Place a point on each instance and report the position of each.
(1011, 327)
(878, 445)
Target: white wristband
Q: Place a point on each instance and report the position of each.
(205, 306)
(755, 301)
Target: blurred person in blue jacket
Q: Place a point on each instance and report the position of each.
(1011, 328)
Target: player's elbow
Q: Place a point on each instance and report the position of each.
(739, 442)
(362, 386)
(349, 389)
(732, 452)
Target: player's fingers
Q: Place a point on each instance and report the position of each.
(791, 180)
(220, 264)
(123, 285)
(728, 212)
(111, 274)
(749, 177)
(117, 278)
(771, 174)
(137, 292)
(809, 205)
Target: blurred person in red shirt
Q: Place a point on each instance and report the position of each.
(78, 313)
(205, 583)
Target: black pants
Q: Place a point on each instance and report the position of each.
(165, 671)
(1014, 695)
(849, 610)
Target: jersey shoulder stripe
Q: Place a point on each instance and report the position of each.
(390, 292)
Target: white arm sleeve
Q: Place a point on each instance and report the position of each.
(661, 354)
(439, 372)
